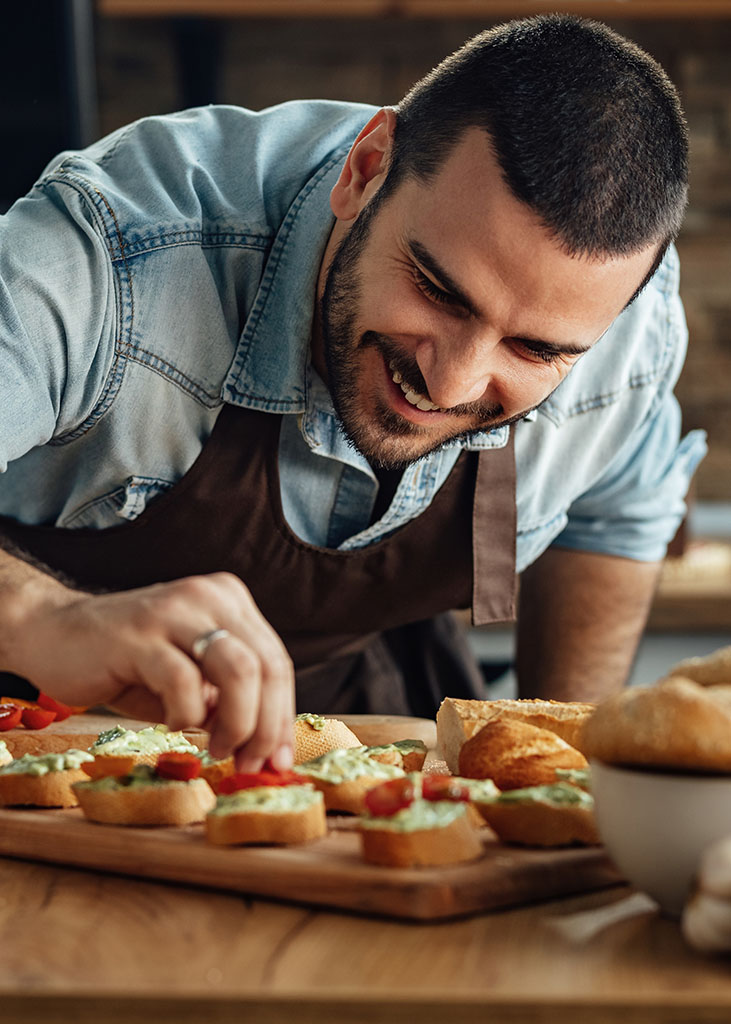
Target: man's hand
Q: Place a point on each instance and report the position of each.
(134, 650)
(580, 618)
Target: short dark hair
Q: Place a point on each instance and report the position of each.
(587, 128)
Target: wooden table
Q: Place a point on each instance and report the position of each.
(80, 946)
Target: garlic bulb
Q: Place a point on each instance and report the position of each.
(706, 920)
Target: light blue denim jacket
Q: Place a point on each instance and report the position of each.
(171, 267)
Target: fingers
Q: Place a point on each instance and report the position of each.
(255, 708)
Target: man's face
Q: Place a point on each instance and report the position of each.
(448, 308)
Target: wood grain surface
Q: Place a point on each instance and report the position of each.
(328, 872)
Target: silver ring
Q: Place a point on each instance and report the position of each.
(204, 641)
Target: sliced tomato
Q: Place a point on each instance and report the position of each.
(63, 711)
(104, 765)
(10, 715)
(443, 787)
(251, 780)
(177, 764)
(37, 718)
(389, 797)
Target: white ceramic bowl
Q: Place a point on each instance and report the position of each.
(656, 824)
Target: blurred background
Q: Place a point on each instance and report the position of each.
(74, 70)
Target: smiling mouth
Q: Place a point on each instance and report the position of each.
(414, 398)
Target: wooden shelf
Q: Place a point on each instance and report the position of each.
(487, 9)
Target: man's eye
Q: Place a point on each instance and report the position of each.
(546, 355)
(429, 288)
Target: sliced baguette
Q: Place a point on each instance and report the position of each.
(348, 796)
(283, 828)
(458, 720)
(514, 755)
(540, 824)
(311, 741)
(54, 789)
(165, 803)
(217, 770)
(454, 843)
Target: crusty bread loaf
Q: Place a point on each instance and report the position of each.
(458, 720)
(282, 828)
(540, 824)
(677, 723)
(168, 803)
(455, 843)
(514, 754)
(312, 741)
(54, 789)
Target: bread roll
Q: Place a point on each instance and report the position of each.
(677, 723)
(458, 720)
(514, 755)
(712, 670)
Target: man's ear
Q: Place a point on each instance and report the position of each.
(365, 166)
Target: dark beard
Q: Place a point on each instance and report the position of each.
(338, 308)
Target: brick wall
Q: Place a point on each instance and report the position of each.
(265, 61)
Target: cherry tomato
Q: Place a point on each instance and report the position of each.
(443, 787)
(389, 797)
(37, 718)
(177, 764)
(63, 711)
(250, 780)
(10, 715)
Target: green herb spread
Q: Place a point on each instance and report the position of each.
(42, 764)
(316, 721)
(576, 776)
(421, 814)
(558, 794)
(141, 775)
(269, 800)
(153, 739)
(344, 765)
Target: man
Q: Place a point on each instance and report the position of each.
(240, 438)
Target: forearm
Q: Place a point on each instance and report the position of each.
(25, 590)
(580, 619)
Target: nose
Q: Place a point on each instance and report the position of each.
(458, 371)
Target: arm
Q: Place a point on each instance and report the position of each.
(580, 618)
(134, 650)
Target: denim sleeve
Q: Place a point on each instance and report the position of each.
(56, 317)
(635, 507)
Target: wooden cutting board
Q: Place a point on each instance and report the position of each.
(326, 873)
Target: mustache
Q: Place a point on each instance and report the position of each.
(412, 376)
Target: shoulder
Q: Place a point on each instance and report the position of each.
(641, 353)
(217, 163)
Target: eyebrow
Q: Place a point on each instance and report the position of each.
(429, 262)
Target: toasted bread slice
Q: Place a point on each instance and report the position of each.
(268, 816)
(315, 735)
(51, 790)
(168, 802)
(217, 770)
(453, 843)
(531, 817)
(458, 720)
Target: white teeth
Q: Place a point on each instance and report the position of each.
(411, 396)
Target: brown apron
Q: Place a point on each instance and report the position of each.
(366, 629)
